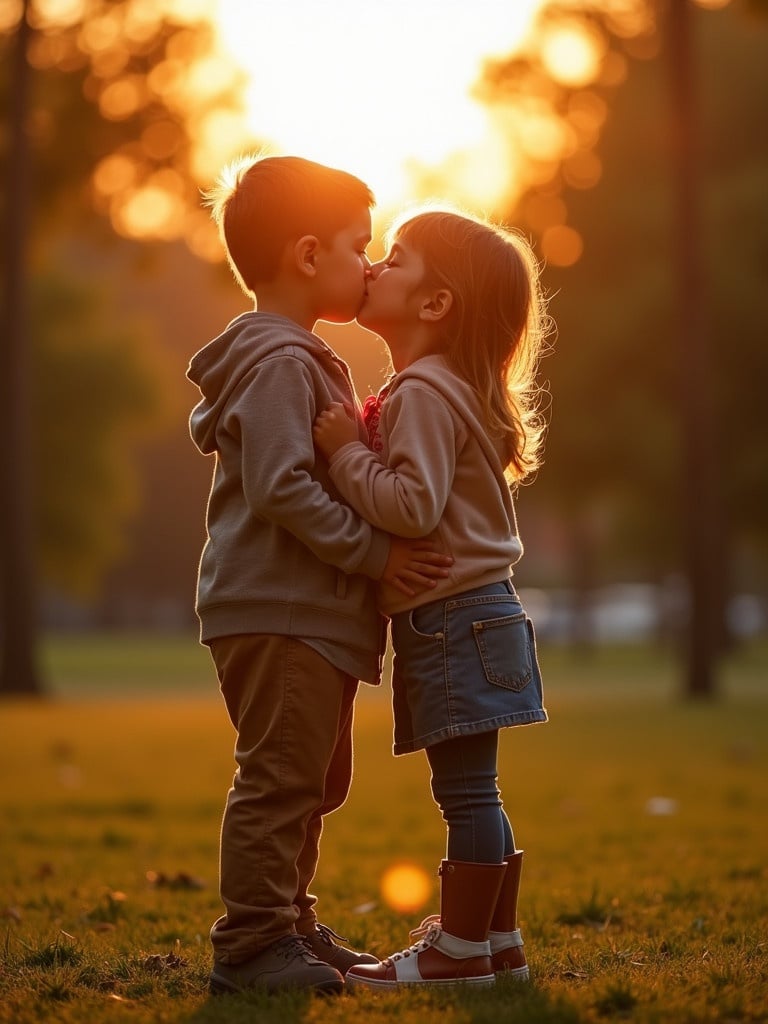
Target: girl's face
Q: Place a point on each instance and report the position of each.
(394, 293)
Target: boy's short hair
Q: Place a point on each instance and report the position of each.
(261, 204)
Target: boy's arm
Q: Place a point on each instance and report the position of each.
(414, 566)
(270, 422)
(406, 497)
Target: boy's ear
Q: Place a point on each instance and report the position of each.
(436, 306)
(305, 252)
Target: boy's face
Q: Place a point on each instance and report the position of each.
(394, 292)
(342, 270)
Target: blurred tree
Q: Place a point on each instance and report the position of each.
(19, 671)
(623, 453)
(103, 102)
(98, 390)
(124, 99)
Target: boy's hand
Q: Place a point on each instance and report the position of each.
(334, 427)
(414, 566)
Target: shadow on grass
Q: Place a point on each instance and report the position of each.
(515, 1002)
(246, 1008)
(509, 1002)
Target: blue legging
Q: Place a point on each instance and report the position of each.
(464, 785)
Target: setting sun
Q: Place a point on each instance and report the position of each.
(405, 95)
(384, 91)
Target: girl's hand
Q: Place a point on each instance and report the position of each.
(333, 428)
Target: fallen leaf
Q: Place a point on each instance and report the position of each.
(661, 807)
(157, 964)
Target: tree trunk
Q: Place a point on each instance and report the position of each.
(18, 605)
(582, 574)
(699, 506)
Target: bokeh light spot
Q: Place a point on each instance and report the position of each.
(114, 174)
(57, 13)
(149, 212)
(99, 34)
(583, 169)
(406, 887)
(10, 14)
(561, 245)
(122, 98)
(572, 54)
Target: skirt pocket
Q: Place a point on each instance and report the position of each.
(505, 648)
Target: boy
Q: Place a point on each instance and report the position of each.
(285, 595)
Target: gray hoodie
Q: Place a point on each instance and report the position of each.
(283, 555)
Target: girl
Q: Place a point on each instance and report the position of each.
(458, 304)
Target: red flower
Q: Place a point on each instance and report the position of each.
(371, 408)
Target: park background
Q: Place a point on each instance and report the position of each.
(626, 139)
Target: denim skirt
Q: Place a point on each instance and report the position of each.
(465, 664)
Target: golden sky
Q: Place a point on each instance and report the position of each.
(380, 89)
(386, 90)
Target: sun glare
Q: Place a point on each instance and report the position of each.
(382, 90)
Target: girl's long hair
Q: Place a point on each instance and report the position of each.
(497, 325)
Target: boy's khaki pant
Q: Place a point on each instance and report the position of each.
(293, 713)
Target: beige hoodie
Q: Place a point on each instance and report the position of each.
(438, 475)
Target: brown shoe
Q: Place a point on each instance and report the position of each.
(286, 964)
(508, 955)
(439, 959)
(322, 945)
(455, 949)
(507, 947)
(507, 950)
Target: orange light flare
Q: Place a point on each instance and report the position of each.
(138, 185)
(384, 92)
(406, 887)
(391, 95)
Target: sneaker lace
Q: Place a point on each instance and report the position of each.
(424, 928)
(328, 934)
(431, 931)
(292, 947)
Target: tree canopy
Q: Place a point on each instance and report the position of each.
(615, 454)
(106, 103)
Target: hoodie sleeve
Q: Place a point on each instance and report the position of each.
(270, 419)
(406, 497)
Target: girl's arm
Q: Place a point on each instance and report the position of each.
(277, 461)
(406, 497)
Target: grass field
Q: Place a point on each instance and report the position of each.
(644, 820)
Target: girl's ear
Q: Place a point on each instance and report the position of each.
(436, 306)
(304, 255)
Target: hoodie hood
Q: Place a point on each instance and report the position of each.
(437, 373)
(219, 368)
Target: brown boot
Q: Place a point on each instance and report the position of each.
(507, 952)
(455, 950)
